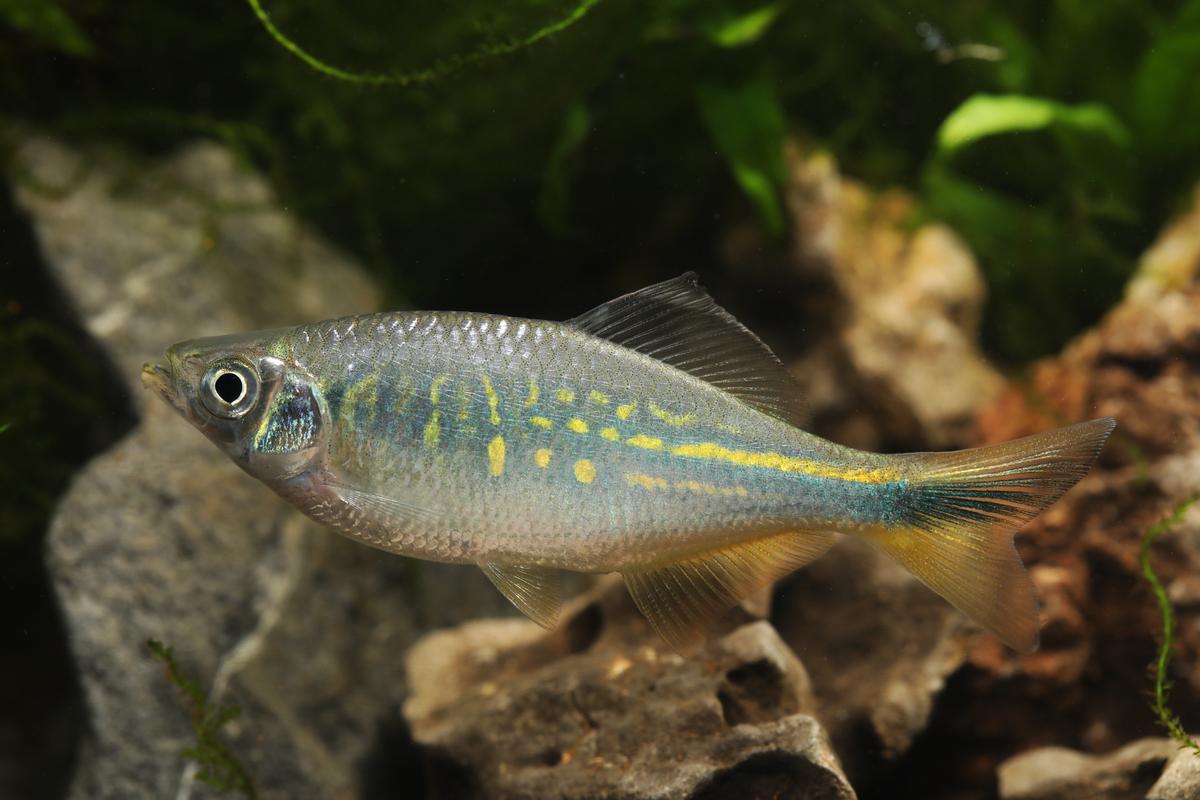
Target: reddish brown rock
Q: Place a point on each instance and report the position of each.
(1086, 687)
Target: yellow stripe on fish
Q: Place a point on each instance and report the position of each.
(493, 401)
(782, 463)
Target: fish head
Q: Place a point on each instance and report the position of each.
(248, 396)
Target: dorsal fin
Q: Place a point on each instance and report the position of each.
(678, 323)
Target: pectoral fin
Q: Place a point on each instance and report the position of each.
(682, 598)
(536, 591)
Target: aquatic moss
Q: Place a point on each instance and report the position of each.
(218, 767)
(1162, 686)
(441, 69)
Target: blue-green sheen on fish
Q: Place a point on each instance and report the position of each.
(653, 436)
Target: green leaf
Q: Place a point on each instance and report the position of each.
(748, 126)
(554, 198)
(982, 116)
(735, 30)
(1167, 92)
(5, 426)
(43, 20)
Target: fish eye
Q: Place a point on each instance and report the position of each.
(229, 389)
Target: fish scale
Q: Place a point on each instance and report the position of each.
(652, 436)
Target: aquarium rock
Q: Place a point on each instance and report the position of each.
(1058, 773)
(874, 699)
(1140, 364)
(894, 310)
(163, 538)
(1181, 779)
(600, 708)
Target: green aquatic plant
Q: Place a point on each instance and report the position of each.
(48, 23)
(218, 767)
(442, 68)
(1162, 686)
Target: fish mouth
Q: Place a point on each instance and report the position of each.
(161, 380)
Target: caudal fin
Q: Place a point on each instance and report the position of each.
(957, 517)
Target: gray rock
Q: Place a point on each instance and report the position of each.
(1181, 779)
(878, 644)
(1058, 773)
(162, 537)
(600, 709)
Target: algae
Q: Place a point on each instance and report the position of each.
(1162, 685)
(218, 766)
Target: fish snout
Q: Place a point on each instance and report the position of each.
(161, 380)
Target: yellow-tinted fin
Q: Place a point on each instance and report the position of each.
(961, 509)
(676, 322)
(536, 591)
(683, 598)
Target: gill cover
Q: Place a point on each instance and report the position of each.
(291, 428)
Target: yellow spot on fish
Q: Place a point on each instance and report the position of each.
(493, 401)
(534, 394)
(542, 457)
(362, 395)
(599, 398)
(565, 396)
(782, 463)
(625, 410)
(496, 456)
(578, 425)
(676, 420)
(433, 429)
(435, 388)
(585, 471)
(610, 434)
(645, 481)
(542, 422)
(648, 442)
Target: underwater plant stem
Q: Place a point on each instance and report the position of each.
(1162, 686)
(218, 767)
(425, 74)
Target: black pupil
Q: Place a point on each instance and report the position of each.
(228, 387)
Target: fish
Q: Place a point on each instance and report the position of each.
(654, 436)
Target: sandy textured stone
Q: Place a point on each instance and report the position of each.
(879, 646)
(1181, 779)
(163, 537)
(1057, 773)
(600, 709)
(896, 311)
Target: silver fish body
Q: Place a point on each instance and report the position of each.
(652, 436)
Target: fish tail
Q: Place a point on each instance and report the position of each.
(953, 522)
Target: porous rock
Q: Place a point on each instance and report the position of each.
(1101, 627)
(599, 708)
(878, 654)
(163, 537)
(890, 316)
(895, 314)
(1058, 773)
(1181, 779)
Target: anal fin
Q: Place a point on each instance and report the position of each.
(536, 591)
(681, 599)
